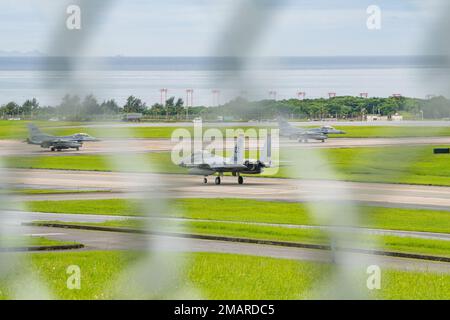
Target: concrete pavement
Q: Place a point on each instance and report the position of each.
(108, 146)
(126, 184)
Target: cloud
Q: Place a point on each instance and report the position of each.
(180, 27)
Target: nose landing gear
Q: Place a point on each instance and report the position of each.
(217, 181)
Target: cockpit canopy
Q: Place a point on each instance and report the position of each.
(84, 137)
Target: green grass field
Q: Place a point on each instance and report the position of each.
(18, 130)
(371, 131)
(29, 241)
(110, 132)
(216, 276)
(403, 164)
(156, 162)
(351, 131)
(439, 248)
(243, 218)
(246, 210)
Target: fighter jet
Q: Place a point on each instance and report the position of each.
(56, 143)
(303, 135)
(203, 163)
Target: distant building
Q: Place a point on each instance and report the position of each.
(376, 117)
(134, 117)
(225, 118)
(397, 117)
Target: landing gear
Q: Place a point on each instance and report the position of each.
(52, 149)
(78, 149)
(217, 181)
(205, 180)
(240, 180)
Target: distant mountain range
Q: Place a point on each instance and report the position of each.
(34, 53)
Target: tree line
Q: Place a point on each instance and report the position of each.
(72, 107)
(341, 107)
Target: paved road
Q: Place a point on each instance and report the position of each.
(97, 240)
(19, 217)
(14, 147)
(390, 195)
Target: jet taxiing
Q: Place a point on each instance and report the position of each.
(56, 143)
(203, 163)
(303, 135)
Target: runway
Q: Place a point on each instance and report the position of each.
(125, 185)
(406, 123)
(110, 146)
(98, 240)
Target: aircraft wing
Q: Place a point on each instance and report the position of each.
(305, 134)
(59, 143)
(226, 166)
(217, 166)
(298, 133)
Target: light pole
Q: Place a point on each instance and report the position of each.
(164, 101)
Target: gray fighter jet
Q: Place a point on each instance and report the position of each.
(205, 164)
(55, 143)
(303, 135)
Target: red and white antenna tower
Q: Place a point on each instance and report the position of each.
(163, 96)
(216, 97)
(189, 98)
(364, 95)
(301, 95)
(331, 95)
(189, 101)
(273, 95)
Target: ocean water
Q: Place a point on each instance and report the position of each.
(49, 79)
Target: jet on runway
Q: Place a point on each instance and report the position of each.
(303, 135)
(56, 143)
(203, 163)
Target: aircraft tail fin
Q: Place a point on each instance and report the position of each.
(238, 151)
(283, 124)
(266, 152)
(33, 130)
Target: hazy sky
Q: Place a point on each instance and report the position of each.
(195, 27)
